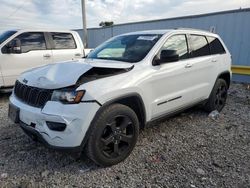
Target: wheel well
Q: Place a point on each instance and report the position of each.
(226, 76)
(136, 104)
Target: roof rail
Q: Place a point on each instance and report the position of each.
(187, 28)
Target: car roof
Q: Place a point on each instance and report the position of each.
(42, 30)
(160, 32)
(177, 30)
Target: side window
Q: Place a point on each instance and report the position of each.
(63, 41)
(215, 46)
(32, 41)
(199, 45)
(178, 43)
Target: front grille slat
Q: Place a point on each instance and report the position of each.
(32, 96)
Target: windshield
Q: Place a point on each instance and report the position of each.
(127, 48)
(5, 35)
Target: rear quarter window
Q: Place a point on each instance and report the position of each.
(215, 46)
(63, 41)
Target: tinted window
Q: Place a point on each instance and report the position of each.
(32, 41)
(215, 46)
(178, 43)
(199, 45)
(63, 41)
(127, 48)
(5, 35)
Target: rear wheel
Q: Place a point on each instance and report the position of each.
(113, 136)
(218, 96)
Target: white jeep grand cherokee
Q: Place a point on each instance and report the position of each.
(98, 104)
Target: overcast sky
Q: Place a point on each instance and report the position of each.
(66, 14)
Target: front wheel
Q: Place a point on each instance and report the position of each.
(218, 96)
(113, 135)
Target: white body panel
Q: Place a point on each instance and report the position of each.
(58, 75)
(12, 65)
(163, 89)
(76, 117)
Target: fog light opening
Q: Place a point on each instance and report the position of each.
(55, 126)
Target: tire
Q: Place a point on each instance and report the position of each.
(113, 135)
(218, 96)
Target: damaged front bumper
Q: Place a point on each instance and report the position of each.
(36, 122)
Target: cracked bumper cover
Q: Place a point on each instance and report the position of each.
(77, 118)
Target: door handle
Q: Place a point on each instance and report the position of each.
(78, 55)
(188, 65)
(47, 55)
(214, 60)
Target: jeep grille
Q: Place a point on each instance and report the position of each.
(32, 96)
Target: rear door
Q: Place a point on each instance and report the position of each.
(34, 53)
(218, 53)
(64, 47)
(203, 66)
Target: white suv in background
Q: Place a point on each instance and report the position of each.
(98, 104)
(21, 50)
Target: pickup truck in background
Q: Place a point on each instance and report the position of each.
(21, 50)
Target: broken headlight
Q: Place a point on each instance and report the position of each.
(67, 96)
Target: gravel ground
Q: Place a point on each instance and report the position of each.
(188, 150)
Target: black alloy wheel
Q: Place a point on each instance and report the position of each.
(113, 135)
(117, 136)
(218, 96)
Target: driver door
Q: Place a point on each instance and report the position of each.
(33, 53)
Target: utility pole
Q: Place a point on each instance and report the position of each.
(84, 24)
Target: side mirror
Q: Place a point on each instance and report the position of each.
(87, 52)
(14, 46)
(166, 56)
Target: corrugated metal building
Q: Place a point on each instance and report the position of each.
(233, 26)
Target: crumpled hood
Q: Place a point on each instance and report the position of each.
(65, 74)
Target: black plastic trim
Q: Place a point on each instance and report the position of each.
(170, 100)
(170, 114)
(225, 72)
(48, 40)
(127, 96)
(86, 137)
